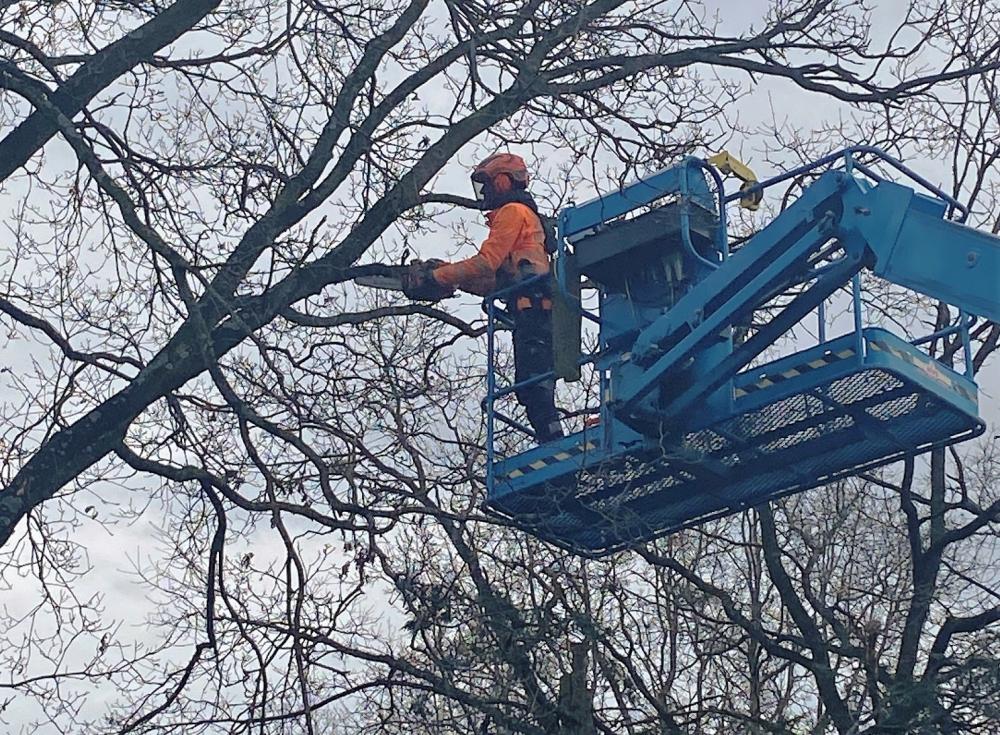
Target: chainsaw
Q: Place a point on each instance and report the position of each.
(413, 279)
(385, 277)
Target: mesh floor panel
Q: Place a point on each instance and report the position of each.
(857, 422)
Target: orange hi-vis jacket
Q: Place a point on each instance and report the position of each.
(516, 236)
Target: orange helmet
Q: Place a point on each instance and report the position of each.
(487, 179)
(504, 163)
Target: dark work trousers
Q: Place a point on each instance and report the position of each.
(532, 356)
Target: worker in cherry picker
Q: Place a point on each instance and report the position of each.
(514, 251)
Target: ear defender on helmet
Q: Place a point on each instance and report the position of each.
(502, 183)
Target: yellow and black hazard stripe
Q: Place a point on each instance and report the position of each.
(768, 379)
(555, 458)
(926, 364)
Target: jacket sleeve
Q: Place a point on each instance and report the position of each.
(479, 272)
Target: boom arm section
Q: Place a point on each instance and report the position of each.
(838, 226)
(914, 246)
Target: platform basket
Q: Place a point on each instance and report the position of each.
(833, 411)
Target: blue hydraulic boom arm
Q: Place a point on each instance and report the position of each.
(840, 225)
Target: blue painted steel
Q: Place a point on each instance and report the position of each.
(505, 419)
(890, 221)
(687, 189)
(945, 260)
(759, 264)
(687, 430)
(962, 326)
(755, 389)
(970, 370)
(834, 158)
(490, 398)
(765, 264)
(766, 336)
(581, 218)
(722, 232)
(793, 427)
(533, 380)
(857, 309)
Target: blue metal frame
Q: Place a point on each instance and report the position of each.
(847, 155)
(582, 218)
(871, 222)
(918, 405)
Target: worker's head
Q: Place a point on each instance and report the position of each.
(496, 177)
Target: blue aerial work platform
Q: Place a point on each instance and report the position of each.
(689, 426)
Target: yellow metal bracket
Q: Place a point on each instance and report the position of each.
(727, 164)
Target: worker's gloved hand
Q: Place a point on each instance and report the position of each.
(419, 283)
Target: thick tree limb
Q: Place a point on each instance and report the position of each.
(952, 626)
(101, 70)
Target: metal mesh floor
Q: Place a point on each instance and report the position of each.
(865, 419)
